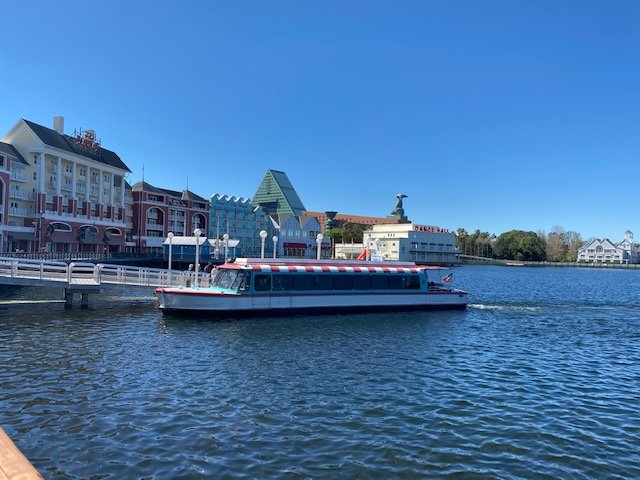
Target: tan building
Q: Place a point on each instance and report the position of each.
(422, 244)
(342, 219)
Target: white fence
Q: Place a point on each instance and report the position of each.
(15, 271)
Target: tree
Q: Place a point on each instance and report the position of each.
(556, 245)
(520, 245)
(349, 232)
(574, 243)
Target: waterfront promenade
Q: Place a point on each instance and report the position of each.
(474, 259)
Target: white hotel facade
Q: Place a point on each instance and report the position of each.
(69, 194)
(422, 244)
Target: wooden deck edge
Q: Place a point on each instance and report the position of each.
(13, 464)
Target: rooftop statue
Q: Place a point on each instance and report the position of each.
(398, 211)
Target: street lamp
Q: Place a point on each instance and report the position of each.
(275, 245)
(197, 233)
(263, 236)
(319, 238)
(225, 238)
(170, 237)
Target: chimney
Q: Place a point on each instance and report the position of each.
(58, 124)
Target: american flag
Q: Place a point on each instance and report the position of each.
(447, 278)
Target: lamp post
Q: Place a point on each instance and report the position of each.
(263, 237)
(319, 238)
(170, 237)
(225, 238)
(275, 245)
(197, 233)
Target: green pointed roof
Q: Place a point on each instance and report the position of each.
(276, 194)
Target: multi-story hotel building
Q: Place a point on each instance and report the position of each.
(238, 218)
(604, 250)
(334, 219)
(158, 211)
(63, 193)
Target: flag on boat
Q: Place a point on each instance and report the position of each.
(447, 278)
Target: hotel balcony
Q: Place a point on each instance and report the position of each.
(21, 195)
(155, 226)
(18, 177)
(18, 212)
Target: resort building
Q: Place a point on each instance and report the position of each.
(297, 237)
(240, 220)
(328, 220)
(158, 211)
(422, 244)
(596, 250)
(60, 192)
(277, 196)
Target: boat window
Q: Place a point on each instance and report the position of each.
(324, 282)
(396, 282)
(379, 282)
(343, 282)
(412, 282)
(282, 283)
(225, 278)
(241, 282)
(262, 283)
(303, 282)
(362, 282)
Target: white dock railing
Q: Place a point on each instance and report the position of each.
(15, 271)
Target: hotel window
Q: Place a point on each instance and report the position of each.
(1, 161)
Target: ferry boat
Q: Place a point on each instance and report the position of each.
(252, 286)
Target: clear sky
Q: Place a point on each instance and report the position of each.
(489, 115)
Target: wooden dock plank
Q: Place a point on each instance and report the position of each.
(13, 464)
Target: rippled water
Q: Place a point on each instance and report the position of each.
(539, 378)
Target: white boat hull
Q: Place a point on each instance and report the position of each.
(205, 300)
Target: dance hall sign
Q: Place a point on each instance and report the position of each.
(430, 229)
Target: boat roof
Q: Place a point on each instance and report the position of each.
(323, 262)
(309, 265)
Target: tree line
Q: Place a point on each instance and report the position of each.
(559, 245)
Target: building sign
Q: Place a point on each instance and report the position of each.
(429, 228)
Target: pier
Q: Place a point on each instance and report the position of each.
(83, 279)
(13, 464)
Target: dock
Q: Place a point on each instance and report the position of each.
(83, 278)
(13, 464)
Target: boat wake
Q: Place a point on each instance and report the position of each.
(503, 308)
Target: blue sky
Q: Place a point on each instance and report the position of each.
(489, 115)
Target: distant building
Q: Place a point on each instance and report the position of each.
(277, 196)
(238, 218)
(158, 211)
(422, 244)
(297, 237)
(604, 250)
(61, 193)
(342, 219)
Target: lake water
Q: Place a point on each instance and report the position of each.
(538, 378)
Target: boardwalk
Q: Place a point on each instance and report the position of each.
(84, 278)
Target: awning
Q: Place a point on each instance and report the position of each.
(61, 237)
(16, 236)
(294, 245)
